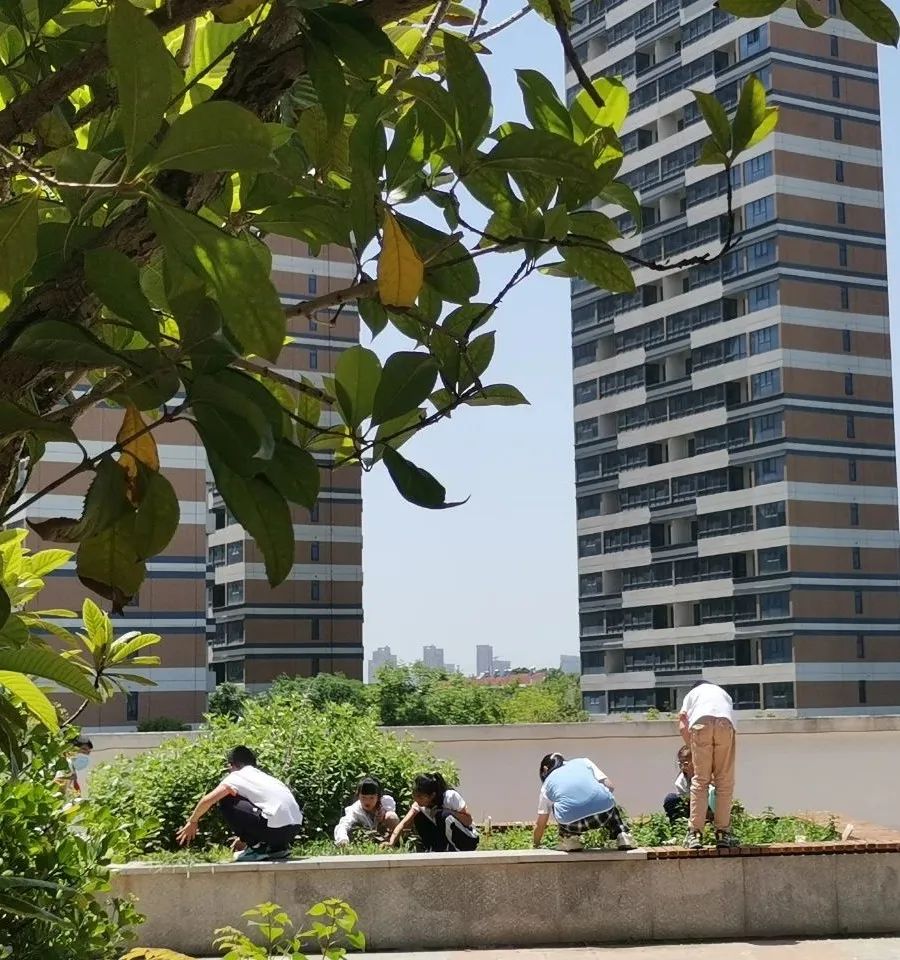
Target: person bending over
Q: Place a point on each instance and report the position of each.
(374, 812)
(258, 808)
(438, 816)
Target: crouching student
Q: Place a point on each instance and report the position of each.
(373, 811)
(579, 795)
(439, 817)
(677, 805)
(258, 808)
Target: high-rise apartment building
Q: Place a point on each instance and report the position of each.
(484, 659)
(735, 463)
(433, 657)
(381, 657)
(311, 623)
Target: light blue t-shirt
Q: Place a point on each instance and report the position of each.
(575, 791)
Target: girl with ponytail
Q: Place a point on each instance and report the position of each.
(438, 816)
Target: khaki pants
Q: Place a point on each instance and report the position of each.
(713, 755)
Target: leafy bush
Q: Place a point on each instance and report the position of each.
(161, 725)
(54, 858)
(320, 754)
(228, 700)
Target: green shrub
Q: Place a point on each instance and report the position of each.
(161, 725)
(320, 754)
(63, 853)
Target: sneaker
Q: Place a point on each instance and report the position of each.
(278, 854)
(624, 841)
(725, 839)
(570, 844)
(252, 855)
(692, 841)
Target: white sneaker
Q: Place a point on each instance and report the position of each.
(624, 841)
(570, 844)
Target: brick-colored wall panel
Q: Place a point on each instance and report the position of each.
(835, 470)
(822, 295)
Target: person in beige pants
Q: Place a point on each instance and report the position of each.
(706, 722)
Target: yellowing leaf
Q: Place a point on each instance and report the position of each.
(400, 270)
(141, 449)
(237, 10)
(155, 953)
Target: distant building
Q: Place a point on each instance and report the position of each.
(433, 657)
(484, 660)
(570, 663)
(381, 657)
(500, 667)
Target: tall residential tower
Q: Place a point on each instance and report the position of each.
(735, 464)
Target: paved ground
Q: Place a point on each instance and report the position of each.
(874, 949)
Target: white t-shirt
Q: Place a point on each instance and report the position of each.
(356, 816)
(707, 700)
(453, 802)
(271, 796)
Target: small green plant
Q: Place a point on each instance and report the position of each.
(653, 714)
(333, 929)
(161, 725)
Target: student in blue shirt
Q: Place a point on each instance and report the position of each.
(580, 797)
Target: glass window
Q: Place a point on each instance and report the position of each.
(314, 552)
(770, 426)
(835, 86)
(132, 703)
(234, 671)
(774, 605)
(772, 560)
(842, 254)
(589, 506)
(841, 212)
(760, 254)
(312, 283)
(765, 384)
(235, 551)
(315, 590)
(584, 353)
(585, 392)
(594, 702)
(851, 427)
(845, 298)
(863, 693)
(764, 340)
(314, 628)
(744, 696)
(854, 514)
(587, 430)
(834, 40)
(839, 171)
(860, 647)
(234, 631)
(313, 359)
(217, 555)
(234, 591)
(761, 297)
(759, 211)
(777, 649)
(758, 168)
(770, 470)
(314, 514)
(753, 42)
(838, 129)
(848, 384)
(856, 559)
(858, 602)
(846, 341)
(778, 696)
(851, 470)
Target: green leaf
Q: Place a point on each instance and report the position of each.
(466, 319)
(470, 89)
(623, 196)
(543, 154)
(116, 280)
(368, 150)
(46, 561)
(18, 244)
(588, 117)
(811, 17)
(395, 433)
(406, 381)
(64, 343)
(543, 9)
(435, 97)
(751, 8)
(5, 607)
(603, 268)
(311, 219)
(353, 36)
(240, 280)
(413, 483)
(294, 474)
(15, 420)
(716, 119)
(327, 77)
(142, 67)
(750, 113)
(32, 697)
(264, 514)
(768, 125)
(449, 268)
(498, 395)
(109, 563)
(480, 353)
(215, 136)
(592, 223)
(356, 378)
(542, 104)
(873, 18)
(373, 314)
(47, 665)
(711, 155)
(157, 516)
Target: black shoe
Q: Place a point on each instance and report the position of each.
(692, 841)
(278, 854)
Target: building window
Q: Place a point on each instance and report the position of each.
(845, 298)
(778, 696)
(841, 212)
(314, 552)
(851, 427)
(217, 555)
(759, 211)
(752, 42)
(234, 631)
(771, 560)
(848, 384)
(761, 341)
(131, 707)
(314, 513)
(235, 552)
(770, 470)
(863, 693)
(839, 171)
(860, 647)
(758, 298)
(769, 515)
(838, 128)
(234, 592)
(313, 359)
(769, 426)
(773, 606)
(314, 628)
(851, 470)
(765, 384)
(842, 254)
(854, 514)
(846, 341)
(836, 86)
(856, 559)
(857, 602)
(315, 590)
(758, 168)
(585, 353)
(777, 650)
(834, 40)
(234, 671)
(312, 283)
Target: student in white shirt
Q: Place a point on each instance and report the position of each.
(260, 809)
(706, 722)
(438, 816)
(677, 805)
(373, 811)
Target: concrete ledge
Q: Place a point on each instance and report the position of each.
(533, 898)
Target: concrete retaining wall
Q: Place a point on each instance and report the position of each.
(531, 899)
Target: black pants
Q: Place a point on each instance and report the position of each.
(445, 835)
(611, 821)
(247, 822)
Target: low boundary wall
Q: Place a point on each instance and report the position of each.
(537, 898)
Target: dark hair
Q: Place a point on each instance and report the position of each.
(551, 762)
(684, 753)
(242, 757)
(368, 787)
(431, 785)
(81, 742)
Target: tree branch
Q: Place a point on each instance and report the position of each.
(508, 22)
(562, 30)
(272, 374)
(359, 291)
